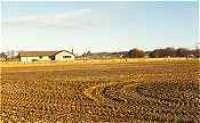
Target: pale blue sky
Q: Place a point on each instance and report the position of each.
(98, 26)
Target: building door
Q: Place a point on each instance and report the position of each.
(52, 57)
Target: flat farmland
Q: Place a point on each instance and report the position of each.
(165, 92)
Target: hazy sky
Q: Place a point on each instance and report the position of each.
(98, 26)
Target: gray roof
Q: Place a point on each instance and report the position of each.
(39, 53)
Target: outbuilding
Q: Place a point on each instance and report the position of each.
(32, 56)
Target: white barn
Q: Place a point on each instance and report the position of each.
(31, 56)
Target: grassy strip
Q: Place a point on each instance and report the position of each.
(142, 61)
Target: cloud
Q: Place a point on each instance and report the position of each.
(73, 19)
(69, 29)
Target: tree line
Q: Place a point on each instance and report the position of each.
(162, 53)
(135, 53)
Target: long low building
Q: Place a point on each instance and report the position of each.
(32, 56)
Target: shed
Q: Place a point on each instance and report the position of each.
(31, 56)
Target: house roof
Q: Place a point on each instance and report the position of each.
(39, 53)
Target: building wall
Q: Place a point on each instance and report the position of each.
(61, 56)
(64, 56)
(28, 59)
(45, 58)
(37, 58)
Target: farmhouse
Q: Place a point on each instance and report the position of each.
(31, 56)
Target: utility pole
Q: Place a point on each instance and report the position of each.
(198, 49)
(198, 45)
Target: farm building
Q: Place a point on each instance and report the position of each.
(31, 56)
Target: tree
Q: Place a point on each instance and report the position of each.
(136, 53)
(89, 53)
(155, 53)
(86, 54)
(183, 52)
(169, 52)
(160, 53)
(196, 53)
(3, 55)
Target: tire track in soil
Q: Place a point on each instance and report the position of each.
(123, 93)
(96, 93)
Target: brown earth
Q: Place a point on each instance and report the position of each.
(101, 93)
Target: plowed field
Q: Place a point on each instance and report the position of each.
(101, 93)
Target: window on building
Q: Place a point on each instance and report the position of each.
(52, 57)
(34, 60)
(40, 57)
(66, 56)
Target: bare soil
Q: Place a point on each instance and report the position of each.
(101, 93)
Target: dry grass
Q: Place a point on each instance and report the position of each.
(104, 61)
